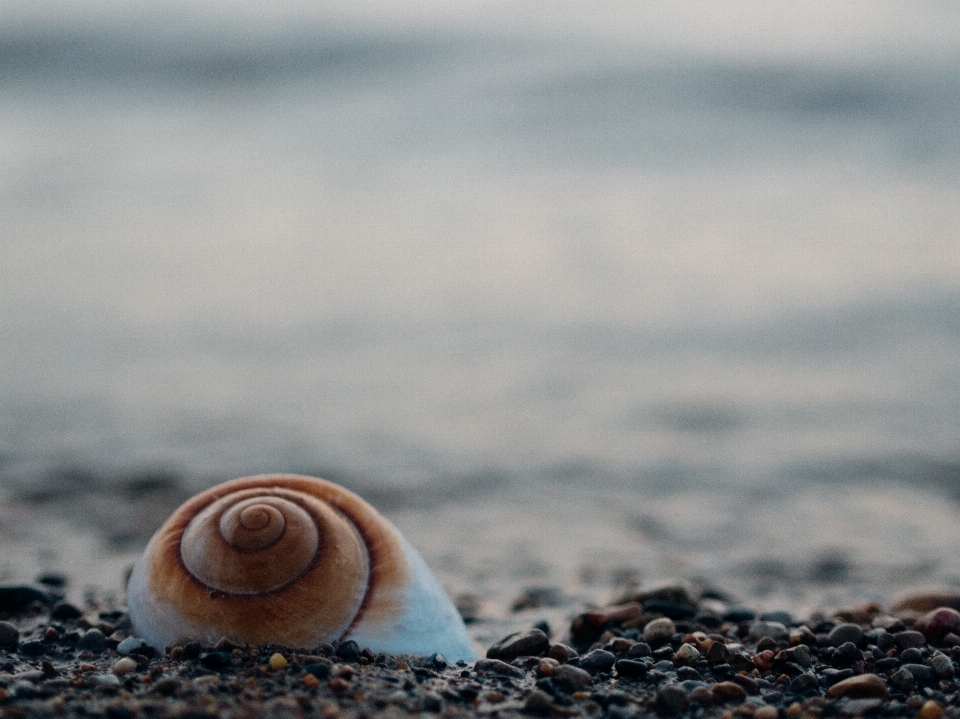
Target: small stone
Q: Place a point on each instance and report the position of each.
(659, 631)
(728, 692)
(671, 699)
(803, 683)
(941, 665)
(597, 661)
(92, 640)
(861, 707)
(33, 648)
(926, 600)
(130, 645)
(124, 665)
(438, 661)
(310, 681)
(718, 653)
(65, 611)
(766, 712)
(570, 676)
(103, 680)
(843, 633)
(799, 655)
(748, 683)
(15, 598)
(321, 670)
(930, 710)
(631, 669)
(561, 652)
(9, 636)
(538, 702)
(166, 686)
(937, 624)
(922, 674)
(215, 660)
(277, 662)
(863, 686)
(546, 666)
(687, 654)
(902, 681)
(775, 630)
(531, 643)
(909, 639)
(496, 666)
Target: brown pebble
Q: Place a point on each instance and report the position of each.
(546, 666)
(495, 666)
(930, 710)
(538, 702)
(659, 631)
(560, 652)
(863, 686)
(569, 676)
(124, 665)
(311, 682)
(926, 600)
(531, 643)
(766, 712)
(728, 691)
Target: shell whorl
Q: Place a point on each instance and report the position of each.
(278, 559)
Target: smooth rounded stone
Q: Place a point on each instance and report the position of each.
(497, 666)
(739, 614)
(631, 668)
(921, 673)
(92, 640)
(320, 670)
(803, 683)
(438, 661)
(348, 651)
(561, 652)
(665, 666)
(679, 591)
(930, 710)
(775, 630)
(130, 645)
(859, 707)
(597, 661)
(33, 648)
(9, 636)
(863, 686)
(902, 681)
(911, 656)
(885, 641)
(780, 616)
(570, 676)
(846, 654)
(15, 598)
(531, 643)
(799, 655)
(215, 660)
(640, 649)
(659, 631)
(687, 654)
(937, 624)
(941, 665)
(766, 712)
(718, 653)
(124, 665)
(846, 632)
(671, 699)
(538, 702)
(748, 683)
(102, 680)
(546, 666)
(685, 674)
(909, 639)
(926, 600)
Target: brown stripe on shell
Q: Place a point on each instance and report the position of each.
(360, 569)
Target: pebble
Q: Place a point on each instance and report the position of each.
(671, 699)
(597, 661)
(927, 600)
(496, 666)
(277, 662)
(65, 611)
(9, 636)
(902, 681)
(860, 687)
(538, 702)
(573, 677)
(909, 639)
(775, 630)
(561, 652)
(942, 666)
(687, 654)
(728, 692)
(92, 640)
(531, 643)
(659, 631)
(631, 669)
(124, 665)
(937, 624)
(843, 633)
(131, 645)
(930, 710)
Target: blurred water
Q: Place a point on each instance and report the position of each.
(465, 256)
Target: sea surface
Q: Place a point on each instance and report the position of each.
(578, 294)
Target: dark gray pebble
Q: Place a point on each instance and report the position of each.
(531, 643)
(15, 598)
(569, 676)
(941, 666)
(803, 683)
(215, 660)
(911, 656)
(349, 651)
(671, 700)
(908, 639)
(538, 702)
(921, 673)
(777, 616)
(320, 670)
(33, 648)
(739, 614)
(9, 635)
(748, 683)
(861, 707)
(597, 661)
(92, 640)
(496, 666)
(640, 649)
(902, 681)
(885, 641)
(631, 668)
(685, 674)
(843, 633)
(63, 611)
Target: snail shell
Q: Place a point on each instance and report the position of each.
(291, 560)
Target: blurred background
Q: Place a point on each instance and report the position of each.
(577, 293)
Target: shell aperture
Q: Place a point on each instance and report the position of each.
(292, 560)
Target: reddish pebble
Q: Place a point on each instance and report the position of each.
(930, 710)
(937, 624)
(764, 660)
(864, 686)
